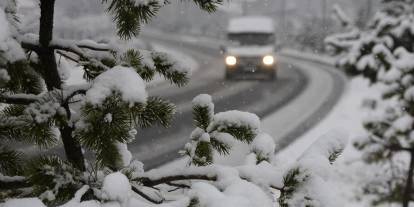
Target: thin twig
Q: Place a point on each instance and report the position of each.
(145, 196)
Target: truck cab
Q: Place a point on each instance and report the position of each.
(250, 48)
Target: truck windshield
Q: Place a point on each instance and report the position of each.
(251, 38)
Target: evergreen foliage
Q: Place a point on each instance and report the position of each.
(383, 55)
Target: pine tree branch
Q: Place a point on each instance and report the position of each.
(146, 181)
(178, 185)
(94, 46)
(26, 99)
(68, 46)
(67, 56)
(78, 91)
(21, 99)
(30, 41)
(14, 184)
(392, 147)
(145, 196)
(281, 189)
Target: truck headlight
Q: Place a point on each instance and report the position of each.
(231, 60)
(268, 60)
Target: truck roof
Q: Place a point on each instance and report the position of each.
(251, 24)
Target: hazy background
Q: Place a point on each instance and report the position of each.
(300, 24)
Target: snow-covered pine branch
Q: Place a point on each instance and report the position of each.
(383, 54)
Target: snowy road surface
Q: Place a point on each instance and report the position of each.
(303, 94)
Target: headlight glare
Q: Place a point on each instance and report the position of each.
(268, 60)
(231, 60)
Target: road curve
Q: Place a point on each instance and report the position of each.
(157, 146)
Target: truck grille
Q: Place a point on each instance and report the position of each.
(249, 61)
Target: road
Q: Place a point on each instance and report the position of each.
(156, 146)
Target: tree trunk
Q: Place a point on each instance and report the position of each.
(409, 183)
(46, 54)
(47, 59)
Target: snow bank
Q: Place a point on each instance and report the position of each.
(308, 56)
(318, 156)
(348, 116)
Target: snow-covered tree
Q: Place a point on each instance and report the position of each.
(41, 109)
(384, 55)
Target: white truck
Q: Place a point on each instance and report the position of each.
(250, 48)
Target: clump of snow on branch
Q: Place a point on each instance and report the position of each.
(41, 113)
(24, 202)
(9, 47)
(204, 100)
(124, 153)
(178, 65)
(116, 187)
(235, 119)
(4, 76)
(122, 80)
(263, 146)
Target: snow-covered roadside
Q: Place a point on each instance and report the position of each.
(307, 56)
(346, 115)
